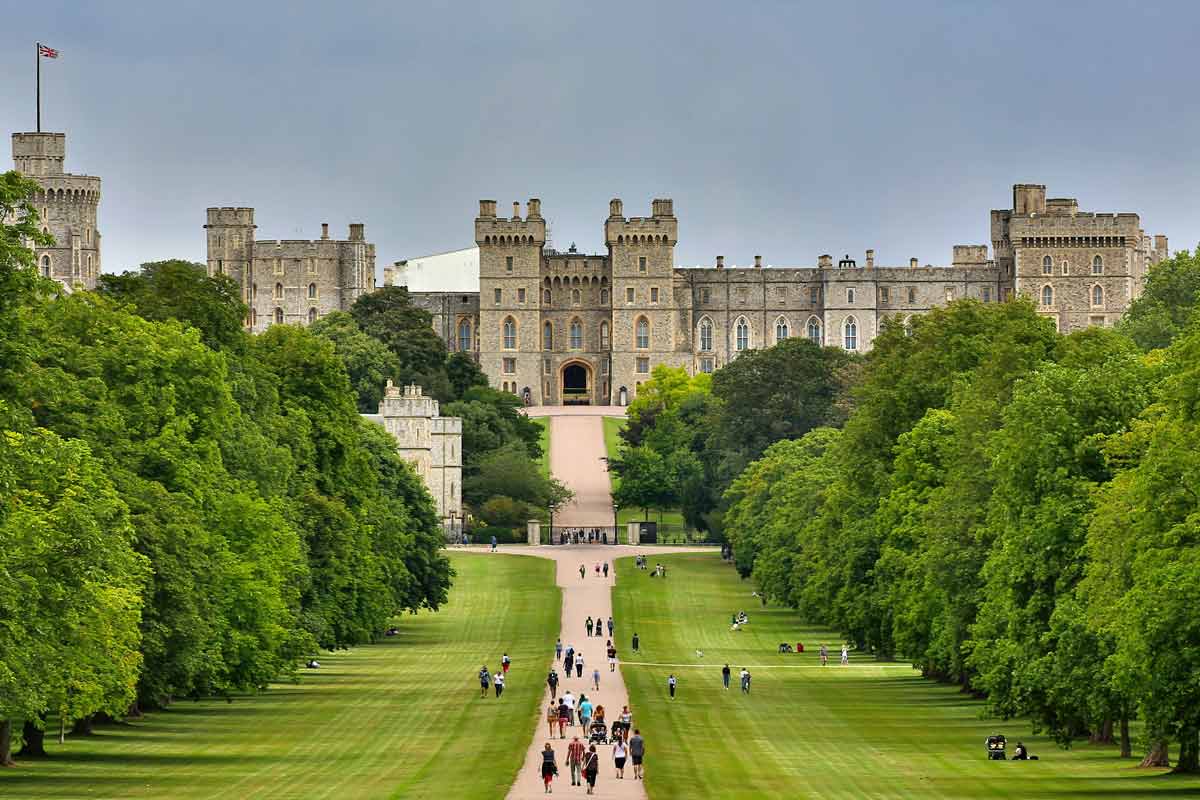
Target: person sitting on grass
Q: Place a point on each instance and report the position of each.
(1021, 754)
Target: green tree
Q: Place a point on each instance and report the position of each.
(390, 316)
(18, 278)
(1168, 303)
(464, 374)
(369, 364)
(647, 480)
(509, 472)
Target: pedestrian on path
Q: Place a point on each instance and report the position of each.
(606, 569)
(635, 642)
(610, 627)
(845, 655)
(493, 544)
(596, 678)
(579, 666)
(505, 663)
(582, 571)
(575, 752)
(564, 716)
(637, 751)
(549, 767)
(671, 685)
(569, 699)
(499, 681)
(597, 569)
(588, 625)
(485, 678)
(558, 650)
(591, 768)
(569, 663)
(619, 755)
(552, 716)
(725, 676)
(552, 682)
(612, 658)
(585, 711)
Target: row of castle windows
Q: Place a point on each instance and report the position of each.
(48, 272)
(1097, 296)
(278, 295)
(277, 316)
(742, 294)
(575, 281)
(742, 332)
(1048, 266)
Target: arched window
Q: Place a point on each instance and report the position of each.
(254, 291)
(278, 291)
(850, 334)
(1047, 266)
(742, 333)
(1066, 267)
(781, 329)
(642, 331)
(576, 334)
(603, 335)
(312, 291)
(706, 335)
(464, 336)
(546, 297)
(814, 330)
(1098, 295)
(312, 316)
(89, 265)
(575, 297)
(279, 316)
(604, 297)
(510, 333)
(1097, 266)
(253, 318)
(45, 266)
(1047, 295)
(849, 295)
(548, 336)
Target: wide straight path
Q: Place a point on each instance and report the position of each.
(577, 459)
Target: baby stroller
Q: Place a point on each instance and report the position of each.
(598, 733)
(995, 747)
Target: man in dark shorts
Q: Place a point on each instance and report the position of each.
(485, 678)
(637, 751)
(552, 682)
(635, 641)
(725, 676)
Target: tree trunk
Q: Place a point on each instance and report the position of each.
(1126, 745)
(1158, 756)
(35, 741)
(82, 726)
(6, 743)
(1103, 735)
(1189, 751)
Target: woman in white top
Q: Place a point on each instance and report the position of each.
(619, 753)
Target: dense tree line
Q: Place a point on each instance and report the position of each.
(1011, 510)
(185, 510)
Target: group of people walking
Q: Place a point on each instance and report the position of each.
(486, 677)
(586, 536)
(601, 569)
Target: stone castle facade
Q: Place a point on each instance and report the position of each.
(67, 204)
(288, 280)
(430, 442)
(575, 328)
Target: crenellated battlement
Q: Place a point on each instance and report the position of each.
(661, 227)
(492, 230)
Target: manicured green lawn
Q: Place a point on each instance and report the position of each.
(399, 719)
(544, 441)
(869, 730)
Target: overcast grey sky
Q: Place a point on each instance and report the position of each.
(782, 129)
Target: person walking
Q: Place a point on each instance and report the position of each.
(485, 678)
(619, 755)
(549, 767)
(597, 569)
(671, 685)
(552, 716)
(626, 720)
(505, 663)
(725, 676)
(569, 663)
(579, 666)
(558, 650)
(845, 655)
(610, 627)
(745, 681)
(591, 768)
(493, 543)
(588, 625)
(564, 715)
(552, 682)
(596, 678)
(585, 712)
(637, 751)
(575, 752)
(569, 699)
(635, 642)
(612, 658)
(606, 569)
(824, 655)
(582, 571)
(499, 681)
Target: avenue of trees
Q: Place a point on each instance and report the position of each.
(1010, 509)
(185, 510)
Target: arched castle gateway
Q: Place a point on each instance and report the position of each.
(560, 328)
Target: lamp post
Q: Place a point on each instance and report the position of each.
(550, 533)
(616, 525)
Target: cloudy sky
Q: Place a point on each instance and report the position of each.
(782, 129)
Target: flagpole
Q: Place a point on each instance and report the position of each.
(38, 56)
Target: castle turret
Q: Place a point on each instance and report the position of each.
(231, 246)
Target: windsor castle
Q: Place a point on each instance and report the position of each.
(567, 327)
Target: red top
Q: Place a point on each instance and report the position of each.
(575, 752)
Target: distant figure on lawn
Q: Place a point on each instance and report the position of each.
(493, 543)
(671, 685)
(499, 681)
(637, 751)
(485, 679)
(745, 681)
(824, 655)
(549, 767)
(505, 663)
(845, 654)
(725, 676)
(635, 642)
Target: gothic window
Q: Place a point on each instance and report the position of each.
(548, 336)
(742, 332)
(312, 291)
(278, 291)
(1097, 266)
(496, 295)
(576, 334)
(814, 295)
(45, 266)
(604, 297)
(312, 316)
(464, 336)
(642, 332)
(603, 335)
(510, 333)
(575, 297)
(1047, 295)
(254, 291)
(279, 316)
(781, 329)
(508, 264)
(642, 264)
(706, 335)
(546, 297)
(850, 334)
(706, 365)
(1066, 267)
(1047, 266)
(884, 296)
(912, 295)
(814, 330)
(1097, 295)
(850, 296)
(705, 295)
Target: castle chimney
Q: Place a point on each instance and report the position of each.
(661, 207)
(825, 261)
(535, 208)
(516, 217)
(758, 262)
(1160, 245)
(324, 230)
(720, 262)
(870, 259)
(487, 208)
(389, 275)
(356, 232)
(614, 208)
(912, 263)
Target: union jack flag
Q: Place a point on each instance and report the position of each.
(47, 52)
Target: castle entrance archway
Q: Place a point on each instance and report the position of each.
(575, 380)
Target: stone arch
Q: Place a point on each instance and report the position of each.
(813, 329)
(783, 328)
(547, 282)
(509, 333)
(704, 334)
(850, 333)
(604, 280)
(743, 334)
(576, 382)
(557, 282)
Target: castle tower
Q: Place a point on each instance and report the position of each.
(67, 204)
(510, 264)
(641, 252)
(406, 416)
(230, 235)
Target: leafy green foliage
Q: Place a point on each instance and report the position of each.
(1168, 302)
(369, 364)
(390, 316)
